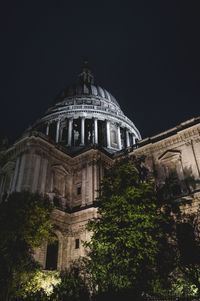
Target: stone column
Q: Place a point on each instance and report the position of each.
(134, 139)
(90, 183)
(57, 130)
(195, 157)
(36, 171)
(21, 173)
(1, 183)
(95, 131)
(83, 131)
(95, 183)
(127, 138)
(83, 186)
(108, 133)
(119, 137)
(47, 129)
(69, 142)
(43, 177)
(15, 175)
(61, 133)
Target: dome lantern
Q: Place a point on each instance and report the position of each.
(86, 76)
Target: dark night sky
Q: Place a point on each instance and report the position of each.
(146, 53)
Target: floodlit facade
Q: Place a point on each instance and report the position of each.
(64, 154)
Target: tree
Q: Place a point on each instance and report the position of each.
(68, 285)
(129, 233)
(39, 285)
(188, 249)
(72, 286)
(25, 224)
(185, 241)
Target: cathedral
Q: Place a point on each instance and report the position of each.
(64, 155)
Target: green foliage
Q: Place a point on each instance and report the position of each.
(38, 284)
(67, 285)
(128, 233)
(185, 241)
(25, 223)
(188, 250)
(181, 285)
(72, 286)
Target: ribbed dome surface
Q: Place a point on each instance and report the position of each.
(85, 89)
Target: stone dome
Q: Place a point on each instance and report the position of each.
(85, 89)
(84, 114)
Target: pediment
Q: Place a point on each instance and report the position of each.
(170, 154)
(9, 166)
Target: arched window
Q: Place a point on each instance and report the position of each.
(52, 256)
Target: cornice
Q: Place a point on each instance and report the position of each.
(181, 137)
(54, 152)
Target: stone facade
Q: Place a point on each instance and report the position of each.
(175, 151)
(35, 164)
(64, 154)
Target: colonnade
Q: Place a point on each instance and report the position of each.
(129, 137)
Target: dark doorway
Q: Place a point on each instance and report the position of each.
(52, 256)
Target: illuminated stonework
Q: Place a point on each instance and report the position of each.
(64, 154)
(85, 114)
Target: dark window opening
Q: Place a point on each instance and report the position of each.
(52, 256)
(56, 202)
(64, 135)
(77, 243)
(123, 137)
(101, 133)
(79, 190)
(76, 133)
(89, 131)
(52, 130)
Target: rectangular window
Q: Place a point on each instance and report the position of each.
(79, 190)
(77, 243)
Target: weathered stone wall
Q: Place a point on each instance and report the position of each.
(36, 164)
(178, 153)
